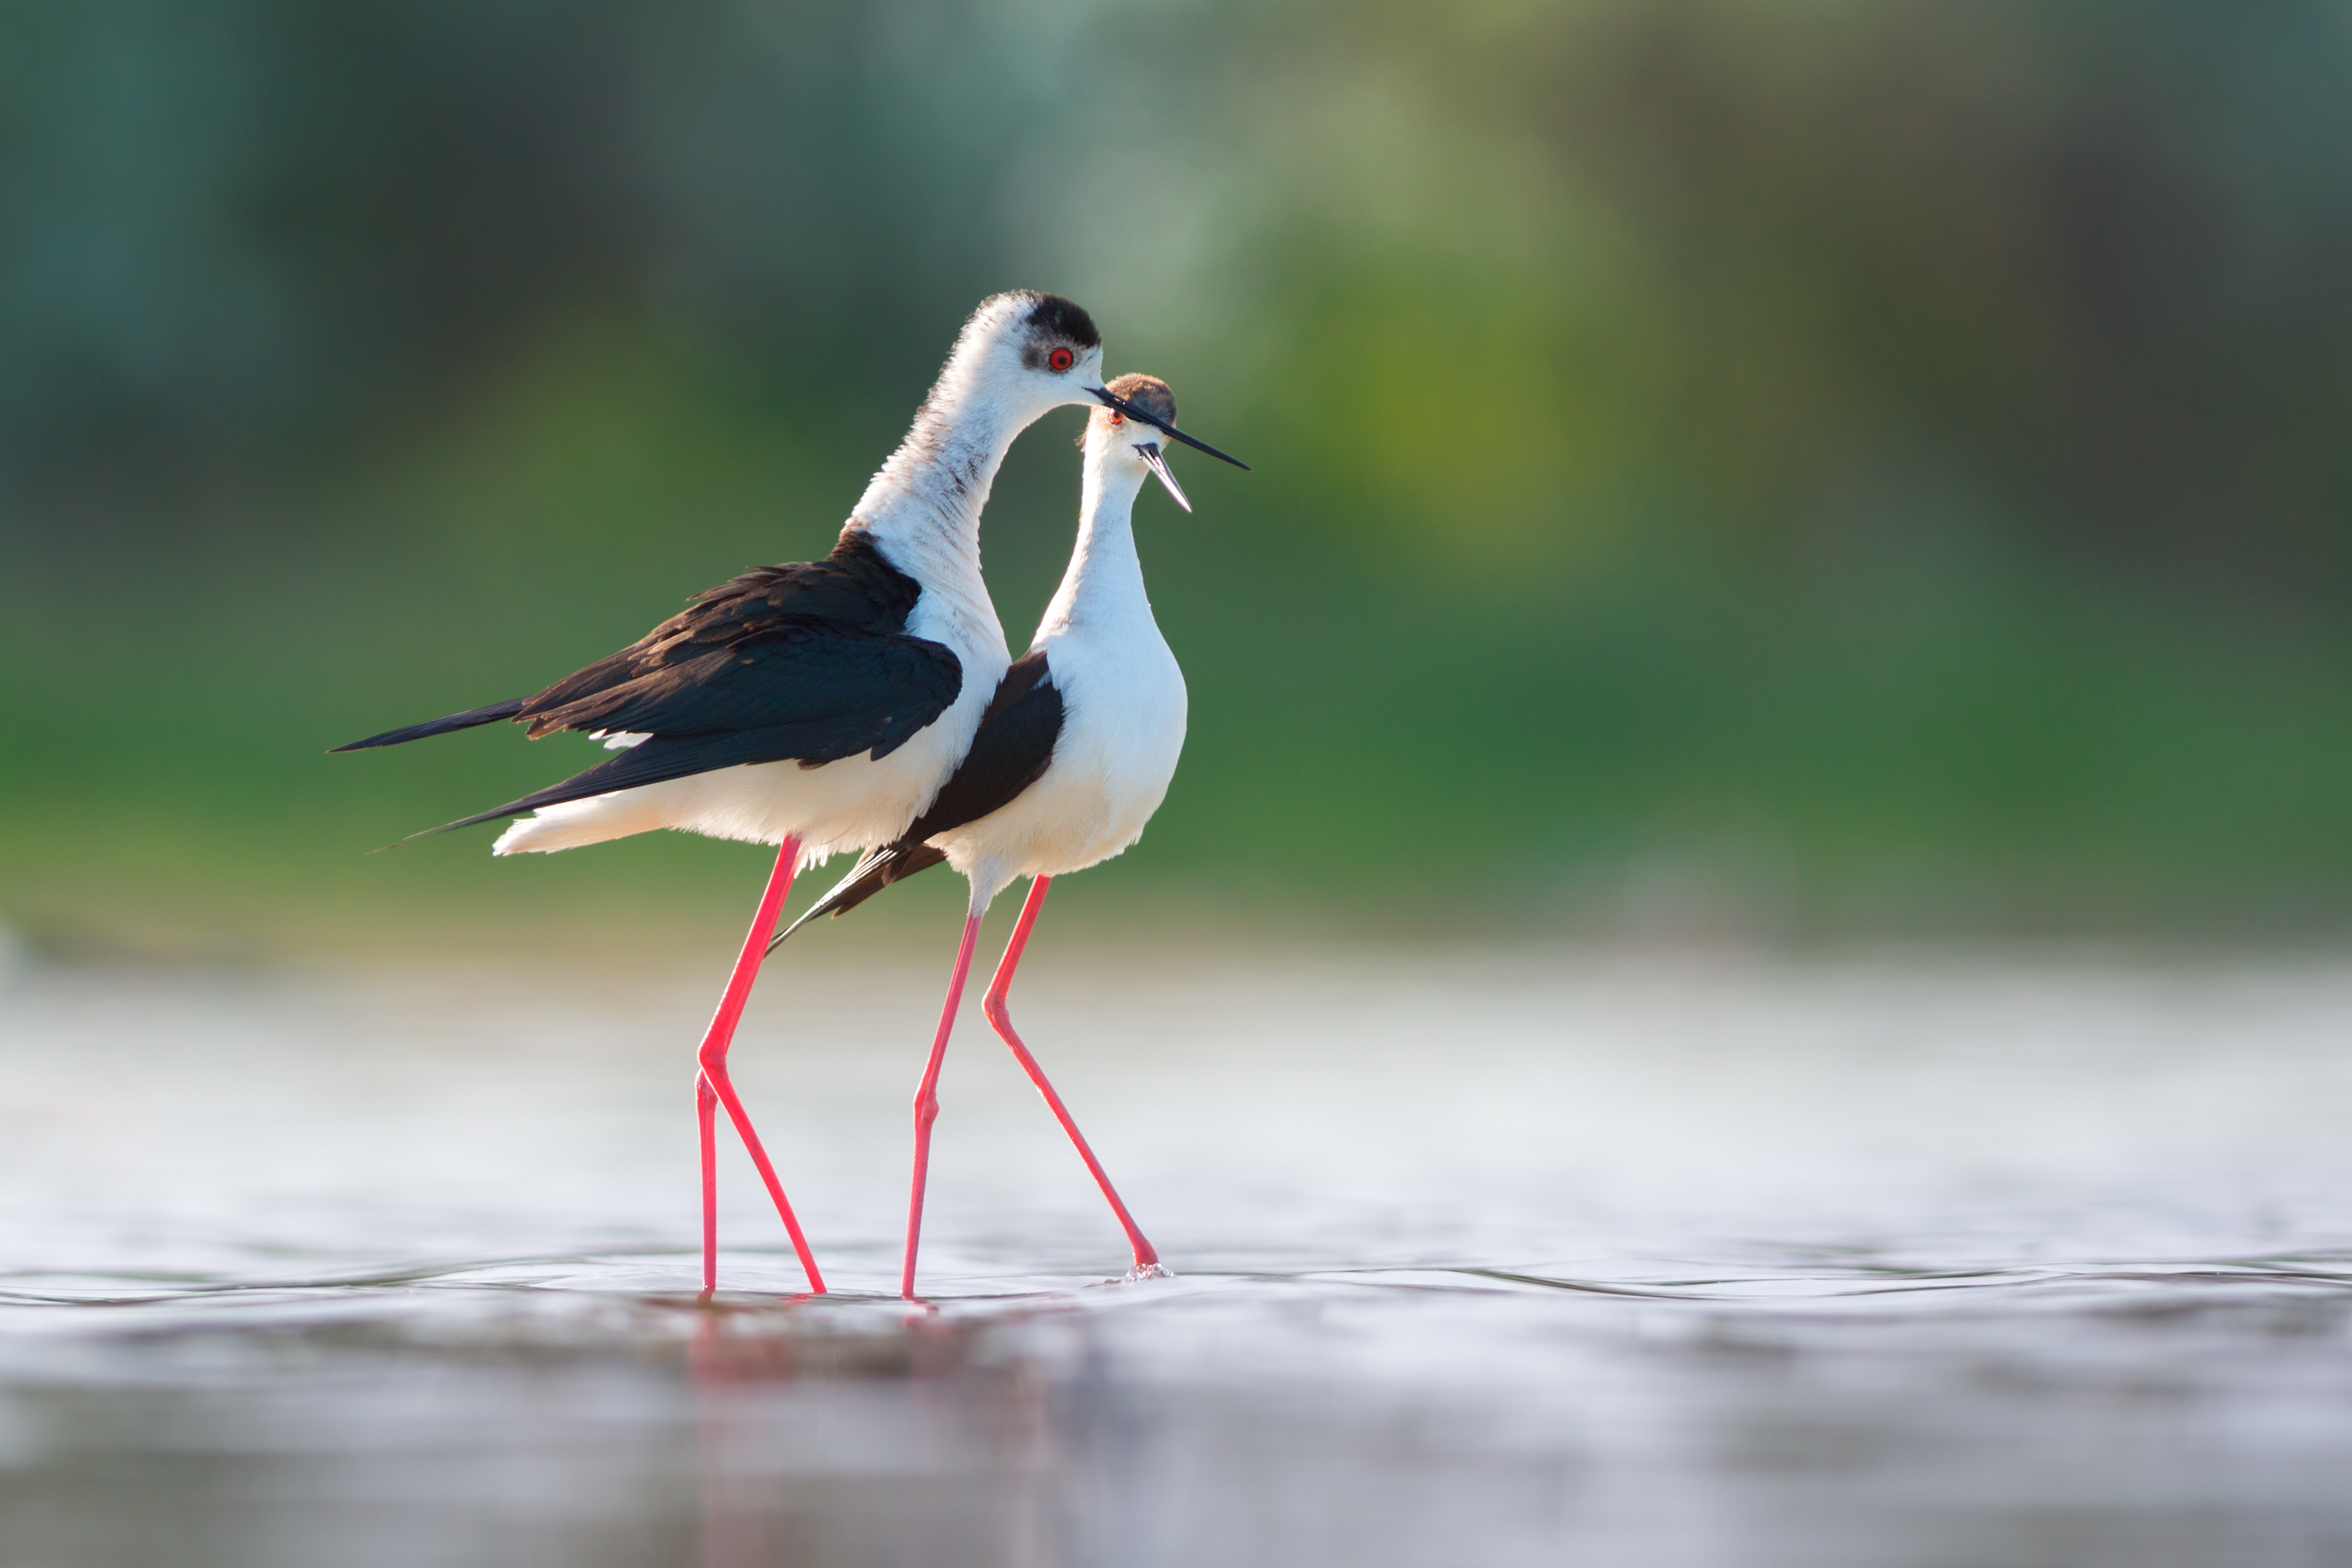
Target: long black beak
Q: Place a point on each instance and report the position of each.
(1110, 399)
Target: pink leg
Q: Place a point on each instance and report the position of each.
(706, 1106)
(926, 1104)
(714, 1081)
(1002, 1019)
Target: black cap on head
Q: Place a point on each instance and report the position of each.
(1054, 317)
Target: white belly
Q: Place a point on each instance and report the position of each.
(1123, 716)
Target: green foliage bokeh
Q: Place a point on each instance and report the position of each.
(1866, 463)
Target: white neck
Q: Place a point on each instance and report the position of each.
(923, 505)
(931, 489)
(1103, 588)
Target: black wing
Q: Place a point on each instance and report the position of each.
(1012, 750)
(806, 662)
(766, 700)
(465, 721)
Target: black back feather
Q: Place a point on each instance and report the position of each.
(1013, 748)
(807, 662)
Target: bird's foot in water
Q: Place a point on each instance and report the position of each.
(1148, 1271)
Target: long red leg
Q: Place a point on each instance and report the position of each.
(1000, 1019)
(706, 1107)
(712, 1060)
(926, 1104)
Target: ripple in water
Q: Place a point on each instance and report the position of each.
(1488, 1262)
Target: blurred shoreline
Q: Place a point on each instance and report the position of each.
(1190, 925)
(1755, 475)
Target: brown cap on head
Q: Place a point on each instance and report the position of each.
(1148, 393)
(1148, 399)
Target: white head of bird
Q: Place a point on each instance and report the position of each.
(1020, 356)
(1121, 450)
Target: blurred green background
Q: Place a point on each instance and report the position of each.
(1808, 467)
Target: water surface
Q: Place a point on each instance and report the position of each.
(1500, 1259)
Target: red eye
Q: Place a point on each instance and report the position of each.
(1060, 359)
(1119, 418)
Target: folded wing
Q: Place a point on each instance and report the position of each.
(1012, 752)
(807, 662)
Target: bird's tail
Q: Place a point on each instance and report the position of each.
(465, 721)
(876, 869)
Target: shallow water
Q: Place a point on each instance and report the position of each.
(1480, 1260)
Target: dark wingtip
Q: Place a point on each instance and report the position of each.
(445, 828)
(836, 900)
(876, 869)
(777, 941)
(465, 721)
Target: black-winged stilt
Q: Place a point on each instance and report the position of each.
(817, 706)
(1072, 756)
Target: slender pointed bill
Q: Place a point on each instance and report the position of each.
(1110, 399)
(1151, 454)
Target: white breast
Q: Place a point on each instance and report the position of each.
(1123, 716)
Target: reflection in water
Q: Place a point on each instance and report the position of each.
(864, 1444)
(1498, 1263)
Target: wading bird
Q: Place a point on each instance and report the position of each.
(817, 706)
(1072, 756)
